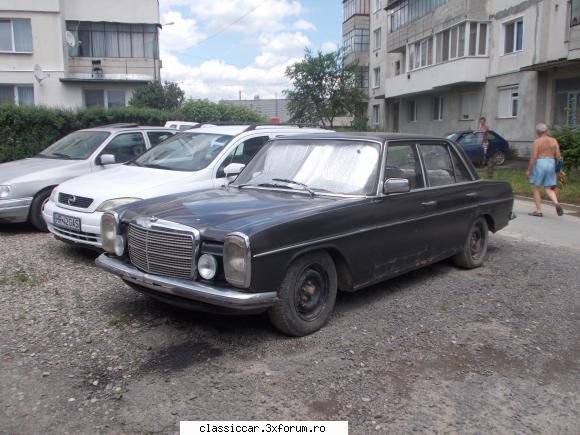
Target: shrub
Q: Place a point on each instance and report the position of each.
(568, 136)
(207, 111)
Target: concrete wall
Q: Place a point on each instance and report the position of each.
(134, 11)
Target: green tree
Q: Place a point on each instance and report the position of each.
(154, 95)
(324, 87)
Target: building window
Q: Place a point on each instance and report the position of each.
(508, 102)
(405, 12)
(114, 40)
(465, 39)
(438, 108)
(377, 34)
(573, 108)
(575, 17)
(15, 35)
(398, 68)
(412, 106)
(513, 36)
(349, 8)
(362, 77)
(376, 114)
(420, 54)
(376, 5)
(477, 39)
(23, 95)
(466, 107)
(104, 98)
(356, 40)
(376, 77)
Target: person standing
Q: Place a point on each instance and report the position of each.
(542, 169)
(487, 161)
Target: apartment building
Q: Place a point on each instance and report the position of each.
(438, 65)
(77, 53)
(269, 108)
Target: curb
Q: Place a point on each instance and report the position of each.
(544, 201)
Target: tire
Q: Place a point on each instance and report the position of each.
(307, 295)
(475, 248)
(499, 158)
(35, 215)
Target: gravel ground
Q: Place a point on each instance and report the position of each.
(492, 350)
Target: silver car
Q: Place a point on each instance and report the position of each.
(25, 185)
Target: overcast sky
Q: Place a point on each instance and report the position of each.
(215, 48)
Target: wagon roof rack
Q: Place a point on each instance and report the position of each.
(265, 125)
(121, 125)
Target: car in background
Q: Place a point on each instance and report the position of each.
(199, 159)
(308, 216)
(181, 125)
(472, 143)
(25, 185)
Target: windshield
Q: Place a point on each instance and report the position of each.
(184, 152)
(332, 166)
(76, 146)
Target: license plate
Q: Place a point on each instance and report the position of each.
(60, 220)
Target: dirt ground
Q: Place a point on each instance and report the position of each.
(440, 350)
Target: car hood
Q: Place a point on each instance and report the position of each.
(218, 212)
(34, 168)
(125, 182)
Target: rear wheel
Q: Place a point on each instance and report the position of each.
(475, 247)
(35, 215)
(307, 295)
(499, 158)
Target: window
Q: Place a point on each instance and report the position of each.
(376, 5)
(125, 147)
(469, 38)
(377, 34)
(466, 107)
(420, 53)
(100, 39)
(402, 162)
(513, 36)
(156, 137)
(102, 98)
(376, 114)
(508, 102)
(412, 106)
(349, 8)
(356, 40)
(461, 173)
(398, 68)
(438, 108)
(243, 153)
(16, 35)
(23, 95)
(362, 77)
(575, 17)
(438, 165)
(376, 77)
(405, 12)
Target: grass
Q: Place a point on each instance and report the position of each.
(118, 319)
(570, 193)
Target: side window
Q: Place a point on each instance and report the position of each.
(461, 172)
(472, 139)
(125, 147)
(156, 137)
(491, 137)
(243, 153)
(402, 162)
(438, 165)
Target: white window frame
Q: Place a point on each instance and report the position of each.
(438, 100)
(106, 96)
(16, 86)
(509, 113)
(14, 39)
(504, 25)
(376, 114)
(376, 77)
(470, 116)
(377, 36)
(376, 5)
(412, 110)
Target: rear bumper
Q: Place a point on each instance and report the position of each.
(14, 210)
(224, 297)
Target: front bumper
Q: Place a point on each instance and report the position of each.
(14, 210)
(224, 297)
(90, 233)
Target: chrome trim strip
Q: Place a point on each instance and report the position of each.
(191, 290)
(364, 230)
(10, 203)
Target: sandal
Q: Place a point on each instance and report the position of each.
(559, 210)
(536, 213)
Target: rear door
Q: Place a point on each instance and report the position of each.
(156, 137)
(124, 146)
(242, 153)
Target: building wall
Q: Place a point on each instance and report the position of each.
(269, 108)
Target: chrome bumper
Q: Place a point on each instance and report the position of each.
(15, 210)
(191, 290)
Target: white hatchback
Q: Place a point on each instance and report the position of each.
(193, 160)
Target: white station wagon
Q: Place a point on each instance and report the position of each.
(190, 161)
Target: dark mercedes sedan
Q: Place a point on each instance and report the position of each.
(309, 216)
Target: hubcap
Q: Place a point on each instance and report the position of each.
(477, 242)
(499, 159)
(311, 293)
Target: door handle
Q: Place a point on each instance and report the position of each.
(429, 204)
(472, 194)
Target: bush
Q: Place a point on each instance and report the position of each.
(568, 137)
(360, 124)
(206, 111)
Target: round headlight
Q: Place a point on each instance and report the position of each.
(207, 266)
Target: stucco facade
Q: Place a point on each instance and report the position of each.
(115, 50)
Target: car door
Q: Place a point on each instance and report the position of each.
(156, 137)
(242, 153)
(400, 218)
(472, 144)
(124, 147)
(453, 197)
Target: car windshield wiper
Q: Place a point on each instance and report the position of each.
(298, 183)
(63, 156)
(154, 166)
(43, 156)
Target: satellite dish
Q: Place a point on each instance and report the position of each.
(70, 39)
(39, 74)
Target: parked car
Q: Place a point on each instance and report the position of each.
(192, 160)
(309, 215)
(472, 143)
(181, 125)
(25, 185)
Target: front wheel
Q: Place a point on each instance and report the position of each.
(475, 248)
(35, 216)
(307, 295)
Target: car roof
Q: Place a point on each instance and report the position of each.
(235, 130)
(367, 136)
(112, 128)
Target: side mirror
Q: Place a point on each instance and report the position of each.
(233, 170)
(107, 159)
(396, 185)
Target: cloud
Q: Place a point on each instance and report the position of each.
(180, 35)
(304, 25)
(328, 46)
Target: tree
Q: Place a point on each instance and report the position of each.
(167, 96)
(324, 87)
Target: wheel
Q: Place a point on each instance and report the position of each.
(475, 248)
(307, 295)
(499, 158)
(35, 215)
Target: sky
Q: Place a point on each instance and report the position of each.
(216, 48)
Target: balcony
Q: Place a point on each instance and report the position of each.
(84, 69)
(438, 77)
